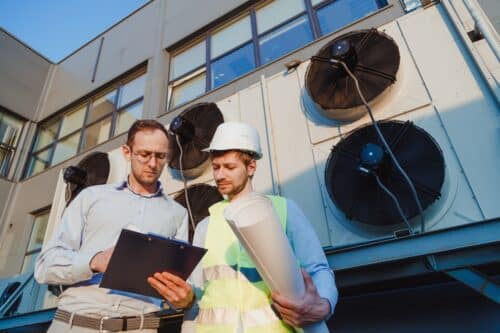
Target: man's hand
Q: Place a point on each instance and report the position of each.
(99, 263)
(309, 309)
(174, 289)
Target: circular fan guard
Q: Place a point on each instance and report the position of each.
(195, 127)
(354, 161)
(201, 197)
(373, 58)
(92, 170)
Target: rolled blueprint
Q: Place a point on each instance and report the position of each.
(257, 227)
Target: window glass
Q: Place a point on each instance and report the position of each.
(285, 39)
(132, 90)
(47, 134)
(232, 65)
(188, 90)
(277, 12)
(97, 133)
(66, 148)
(188, 60)
(102, 106)
(39, 162)
(10, 129)
(29, 262)
(230, 36)
(72, 121)
(5, 156)
(38, 232)
(342, 12)
(127, 117)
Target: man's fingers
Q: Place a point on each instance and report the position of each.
(178, 296)
(174, 279)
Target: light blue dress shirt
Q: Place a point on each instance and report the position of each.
(92, 223)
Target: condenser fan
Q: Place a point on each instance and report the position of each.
(92, 170)
(194, 127)
(201, 197)
(357, 160)
(373, 58)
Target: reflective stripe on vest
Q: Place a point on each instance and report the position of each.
(234, 290)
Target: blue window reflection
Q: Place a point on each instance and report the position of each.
(342, 12)
(232, 65)
(285, 39)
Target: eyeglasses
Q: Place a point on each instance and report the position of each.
(144, 156)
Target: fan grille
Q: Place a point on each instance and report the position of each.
(358, 195)
(97, 166)
(201, 197)
(374, 64)
(205, 117)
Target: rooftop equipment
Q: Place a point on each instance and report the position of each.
(201, 197)
(193, 129)
(364, 183)
(92, 170)
(372, 56)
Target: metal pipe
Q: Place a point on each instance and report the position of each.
(483, 71)
(482, 25)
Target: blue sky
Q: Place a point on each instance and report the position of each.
(55, 28)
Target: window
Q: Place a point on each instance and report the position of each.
(36, 241)
(334, 15)
(261, 34)
(10, 131)
(107, 113)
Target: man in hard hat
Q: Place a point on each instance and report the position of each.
(232, 297)
(82, 245)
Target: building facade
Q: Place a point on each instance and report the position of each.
(251, 58)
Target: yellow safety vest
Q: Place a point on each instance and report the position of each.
(233, 290)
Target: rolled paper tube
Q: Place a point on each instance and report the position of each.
(256, 225)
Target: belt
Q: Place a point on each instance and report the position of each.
(108, 324)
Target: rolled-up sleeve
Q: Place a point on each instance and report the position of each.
(310, 254)
(62, 261)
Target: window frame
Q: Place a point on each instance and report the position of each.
(30, 252)
(86, 103)
(11, 150)
(310, 12)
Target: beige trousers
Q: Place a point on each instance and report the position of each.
(60, 327)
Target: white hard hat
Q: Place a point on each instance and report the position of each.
(234, 135)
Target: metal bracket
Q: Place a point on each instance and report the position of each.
(477, 281)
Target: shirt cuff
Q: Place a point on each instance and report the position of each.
(81, 266)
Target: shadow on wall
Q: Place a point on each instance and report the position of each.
(449, 307)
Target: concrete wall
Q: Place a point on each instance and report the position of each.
(182, 19)
(22, 76)
(5, 191)
(126, 45)
(30, 196)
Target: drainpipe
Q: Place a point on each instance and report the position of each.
(482, 25)
(491, 82)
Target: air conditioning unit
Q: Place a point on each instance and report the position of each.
(302, 134)
(340, 130)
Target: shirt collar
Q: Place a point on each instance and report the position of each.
(125, 184)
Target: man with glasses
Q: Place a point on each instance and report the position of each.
(81, 248)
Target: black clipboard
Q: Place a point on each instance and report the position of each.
(138, 256)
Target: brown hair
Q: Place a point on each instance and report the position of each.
(144, 125)
(244, 156)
